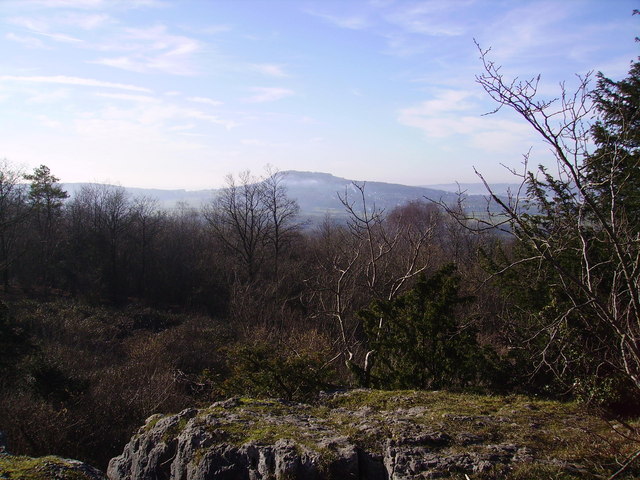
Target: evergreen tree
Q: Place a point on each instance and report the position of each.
(613, 170)
(422, 342)
(579, 234)
(46, 198)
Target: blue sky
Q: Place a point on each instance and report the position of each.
(179, 93)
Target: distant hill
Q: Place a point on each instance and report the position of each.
(167, 199)
(317, 194)
(477, 188)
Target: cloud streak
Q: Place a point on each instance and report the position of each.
(207, 101)
(269, 69)
(93, 4)
(268, 94)
(29, 42)
(350, 22)
(153, 50)
(453, 113)
(129, 97)
(78, 81)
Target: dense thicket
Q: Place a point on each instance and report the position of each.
(114, 309)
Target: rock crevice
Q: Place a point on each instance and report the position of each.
(260, 440)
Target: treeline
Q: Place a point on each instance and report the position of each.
(116, 309)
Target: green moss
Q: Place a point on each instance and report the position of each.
(555, 433)
(15, 467)
(152, 422)
(174, 430)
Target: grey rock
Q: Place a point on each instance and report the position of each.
(275, 440)
(469, 439)
(50, 467)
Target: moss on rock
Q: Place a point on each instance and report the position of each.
(451, 435)
(15, 467)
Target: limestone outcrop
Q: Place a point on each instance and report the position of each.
(355, 435)
(18, 467)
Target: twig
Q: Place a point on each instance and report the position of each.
(626, 464)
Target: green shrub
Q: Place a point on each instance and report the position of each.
(423, 343)
(266, 370)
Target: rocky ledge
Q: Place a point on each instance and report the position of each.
(18, 467)
(373, 435)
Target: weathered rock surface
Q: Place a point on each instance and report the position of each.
(338, 438)
(17, 467)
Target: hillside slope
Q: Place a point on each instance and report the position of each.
(316, 194)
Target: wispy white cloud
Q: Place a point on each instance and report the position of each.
(60, 37)
(145, 114)
(34, 24)
(132, 63)
(84, 21)
(39, 23)
(182, 127)
(65, 3)
(153, 50)
(445, 102)
(529, 28)
(93, 4)
(269, 69)
(26, 41)
(209, 30)
(50, 96)
(198, 115)
(401, 45)
(207, 101)
(128, 97)
(431, 18)
(268, 94)
(382, 3)
(43, 26)
(457, 114)
(405, 25)
(64, 80)
(254, 142)
(351, 22)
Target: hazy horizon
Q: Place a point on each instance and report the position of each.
(453, 187)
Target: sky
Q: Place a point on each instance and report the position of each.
(180, 93)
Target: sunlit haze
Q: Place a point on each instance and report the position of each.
(178, 93)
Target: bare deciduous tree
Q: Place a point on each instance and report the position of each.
(575, 221)
(282, 211)
(254, 219)
(239, 219)
(13, 213)
(370, 258)
(100, 216)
